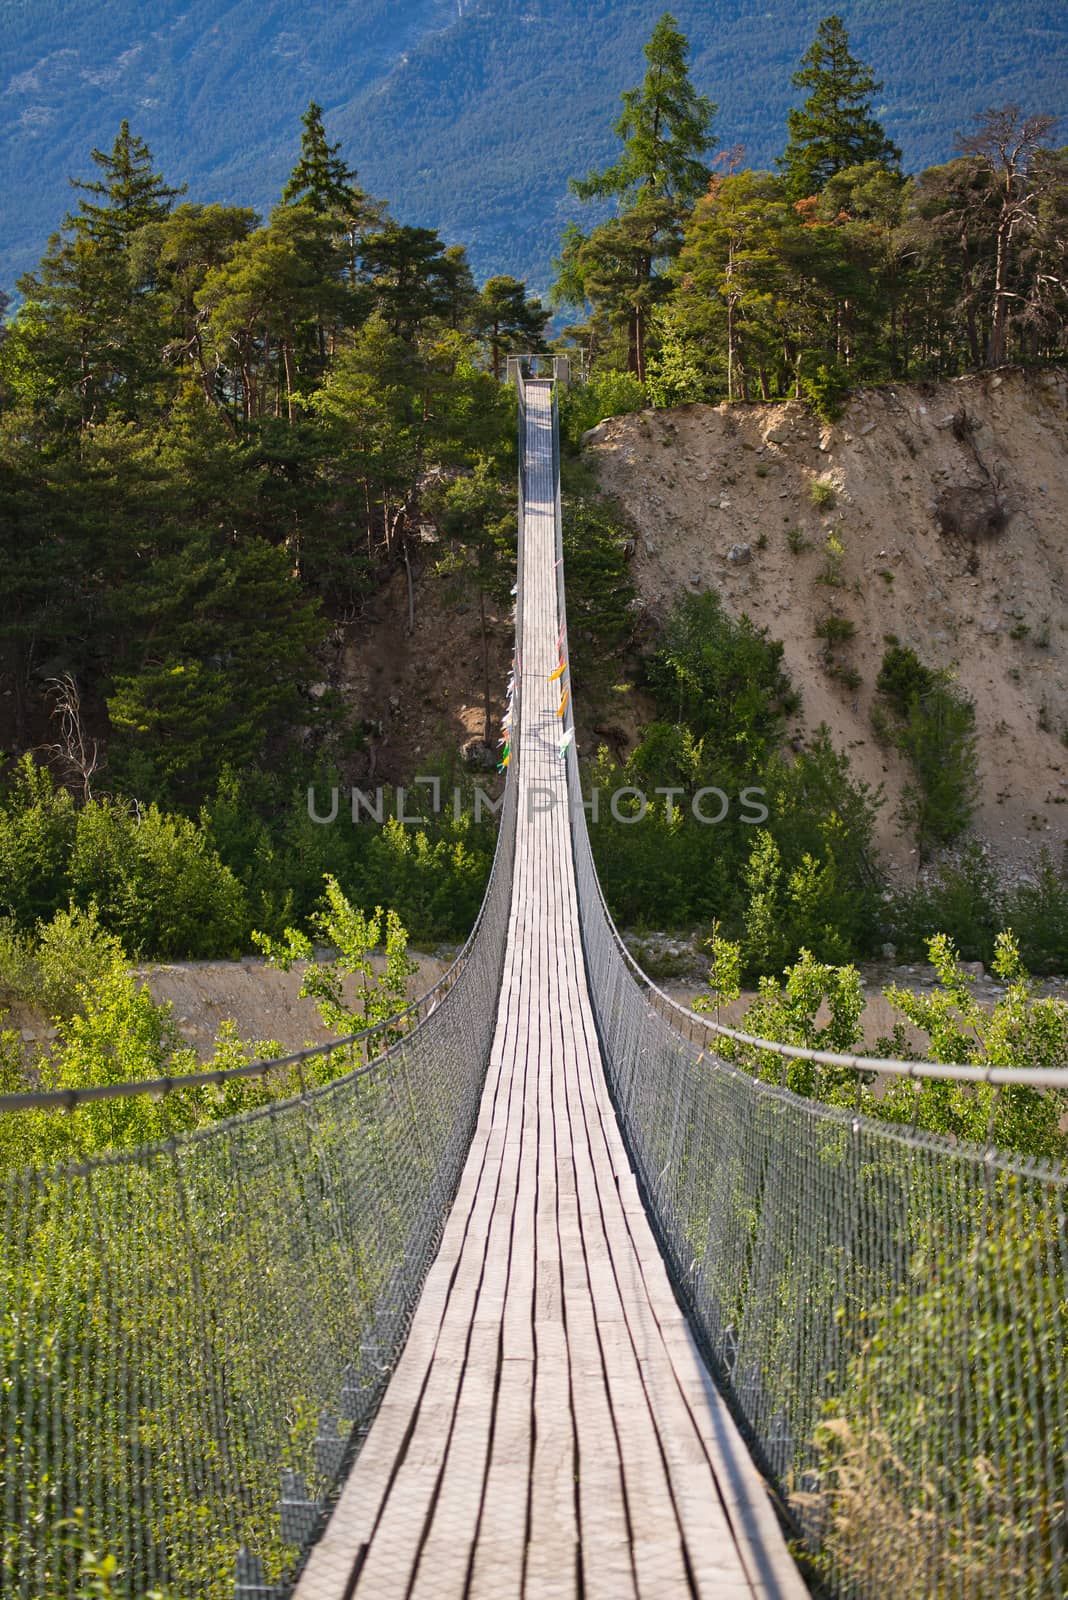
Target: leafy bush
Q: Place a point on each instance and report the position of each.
(835, 630)
(607, 394)
(827, 391)
(821, 492)
(962, 899)
(354, 936)
(725, 680)
(157, 883)
(37, 827)
(935, 731)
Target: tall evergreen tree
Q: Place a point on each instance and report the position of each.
(835, 128)
(508, 320)
(665, 129)
(127, 196)
(321, 179)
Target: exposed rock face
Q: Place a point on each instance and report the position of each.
(950, 501)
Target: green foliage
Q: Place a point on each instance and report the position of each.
(835, 630)
(665, 130)
(157, 883)
(827, 391)
(607, 394)
(821, 492)
(724, 974)
(154, 879)
(1020, 1030)
(935, 731)
(354, 936)
(725, 680)
(485, 184)
(601, 596)
(835, 129)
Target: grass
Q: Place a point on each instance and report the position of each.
(822, 493)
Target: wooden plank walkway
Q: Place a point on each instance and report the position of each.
(550, 1429)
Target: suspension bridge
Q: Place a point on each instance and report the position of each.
(542, 1297)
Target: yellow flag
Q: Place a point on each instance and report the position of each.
(563, 703)
(562, 668)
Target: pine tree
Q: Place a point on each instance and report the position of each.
(508, 320)
(835, 128)
(128, 196)
(321, 178)
(665, 129)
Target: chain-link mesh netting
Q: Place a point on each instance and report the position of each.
(194, 1336)
(889, 1311)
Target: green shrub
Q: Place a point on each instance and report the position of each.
(607, 394)
(935, 732)
(725, 680)
(821, 492)
(962, 899)
(37, 826)
(157, 883)
(827, 392)
(835, 630)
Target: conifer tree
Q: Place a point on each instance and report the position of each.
(508, 320)
(835, 128)
(128, 196)
(321, 179)
(665, 129)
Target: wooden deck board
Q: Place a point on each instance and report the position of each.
(550, 1429)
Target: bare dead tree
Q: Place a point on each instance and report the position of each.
(1004, 146)
(76, 751)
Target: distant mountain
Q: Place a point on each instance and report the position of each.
(467, 115)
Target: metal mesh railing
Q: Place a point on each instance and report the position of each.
(887, 1310)
(194, 1335)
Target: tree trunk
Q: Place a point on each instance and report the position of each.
(487, 726)
(995, 353)
(411, 587)
(287, 360)
(730, 349)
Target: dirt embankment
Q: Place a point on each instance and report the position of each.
(950, 501)
(264, 1003)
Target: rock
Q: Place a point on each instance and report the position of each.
(394, 702)
(477, 754)
(995, 383)
(739, 555)
(695, 579)
(724, 505)
(594, 435)
(317, 690)
(778, 435)
(889, 952)
(974, 969)
(866, 428)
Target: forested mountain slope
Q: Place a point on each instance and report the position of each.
(469, 114)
